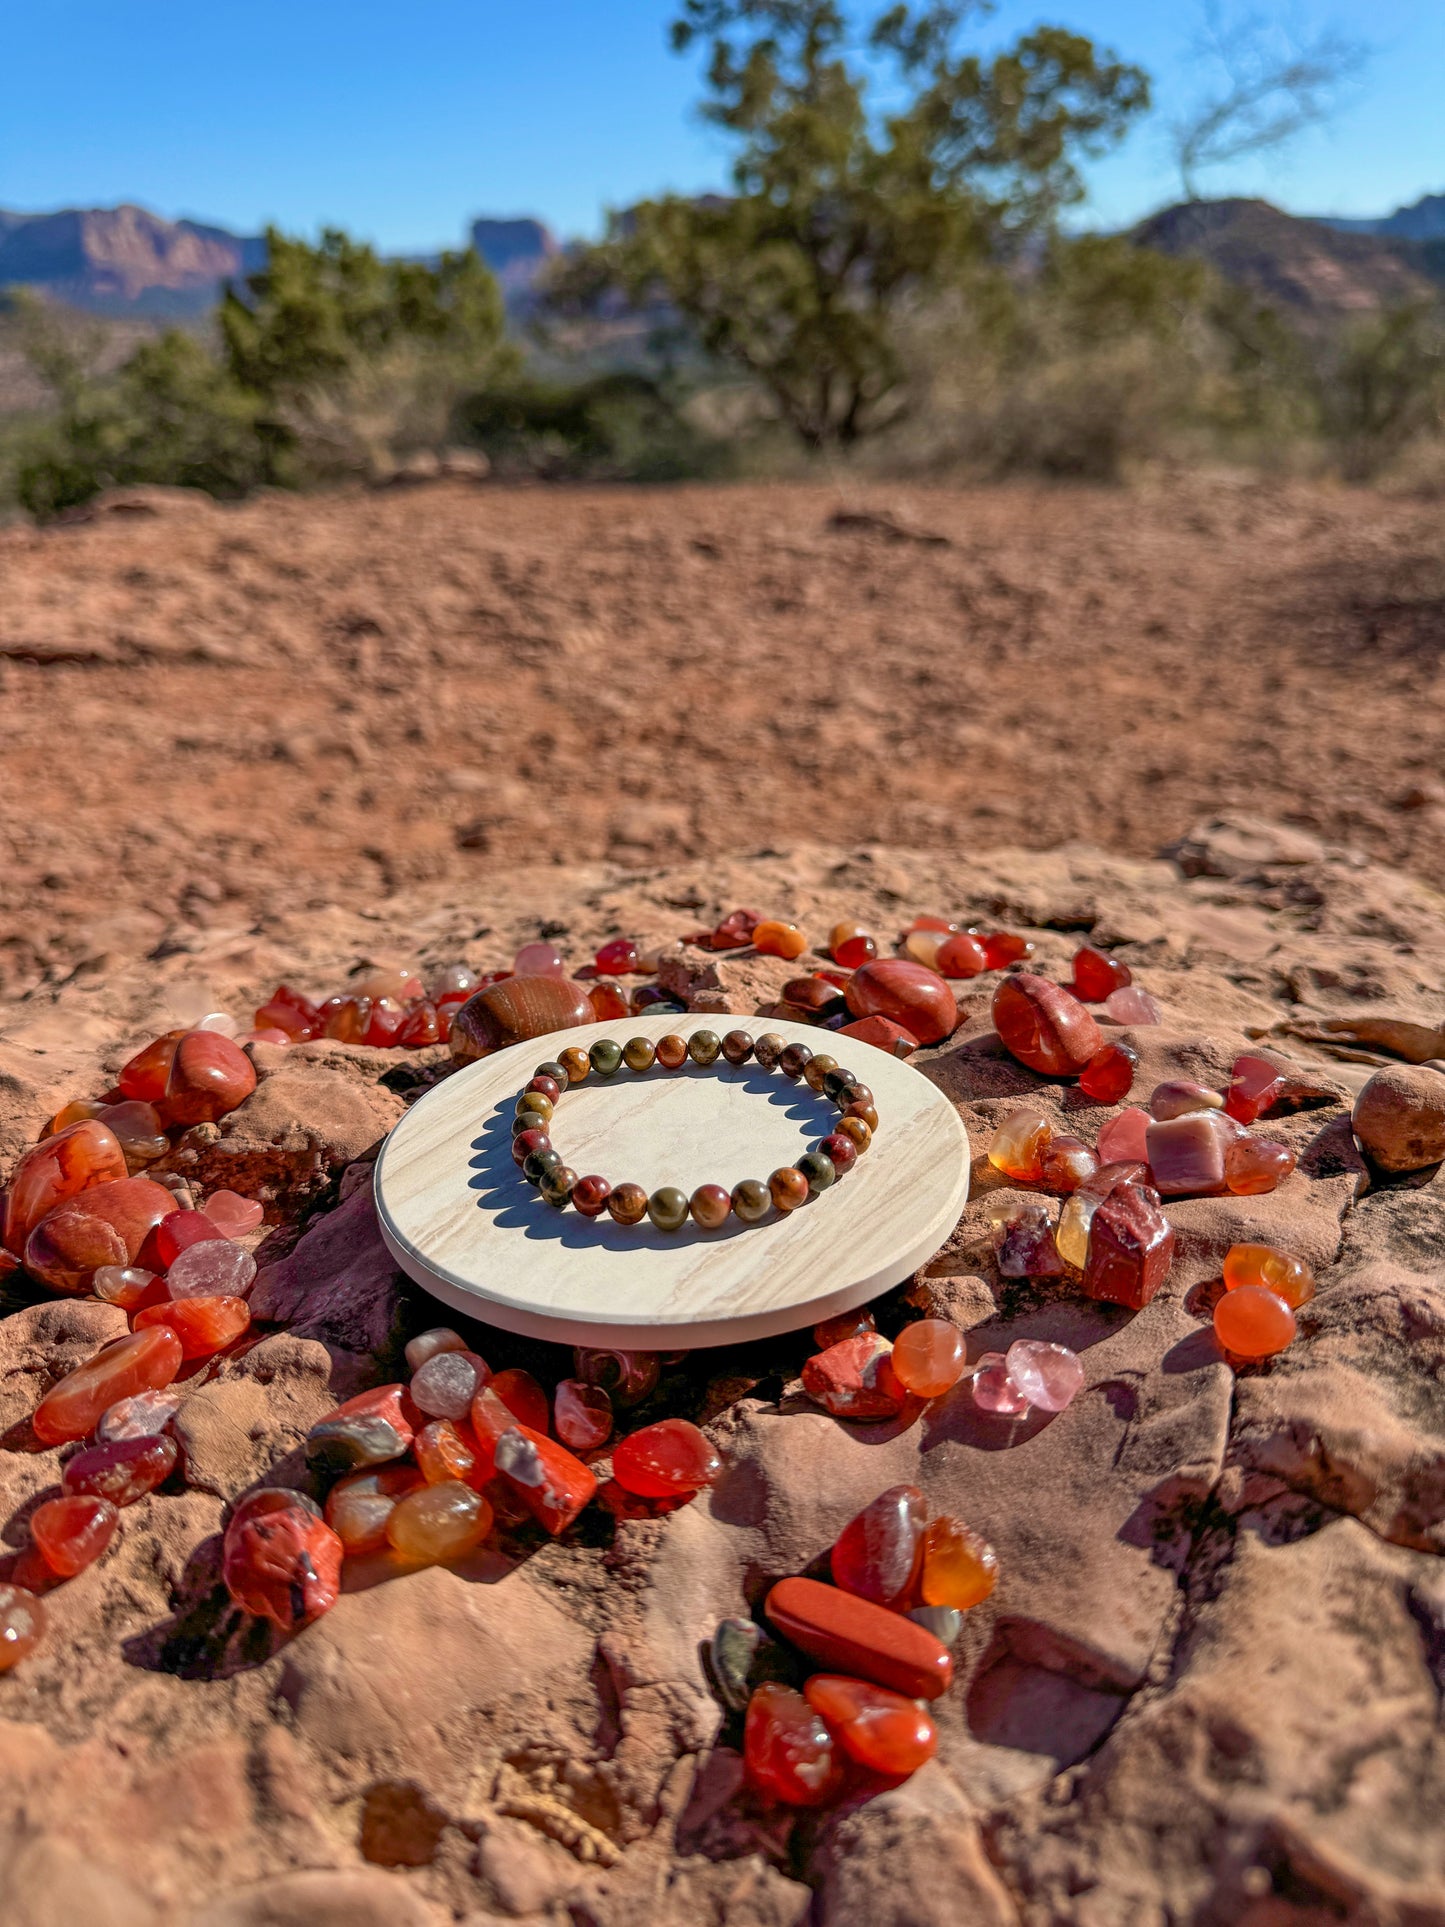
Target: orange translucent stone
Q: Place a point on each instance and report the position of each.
(960, 1567)
(876, 1554)
(608, 1002)
(280, 1559)
(851, 945)
(85, 1154)
(670, 1456)
(204, 1326)
(880, 1730)
(522, 1396)
(788, 1751)
(209, 1077)
(144, 1077)
(72, 1533)
(1255, 1165)
(144, 1361)
(22, 1626)
(582, 1415)
(287, 1011)
(1018, 1145)
(960, 955)
(929, 1357)
(1278, 1271)
(1003, 947)
(1067, 1163)
(438, 1522)
(358, 1507)
(550, 1481)
(1109, 1073)
(1254, 1084)
(923, 946)
(1251, 1322)
(1097, 975)
(442, 1453)
(1045, 1026)
(110, 1224)
(776, 939)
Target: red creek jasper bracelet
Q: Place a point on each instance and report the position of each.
(709, 1206)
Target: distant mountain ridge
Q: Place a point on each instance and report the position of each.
(1423, 220)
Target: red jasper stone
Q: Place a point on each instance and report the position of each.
(877, 1553)
(855, 1379)
(110, 1224)
(883, 1034)
(522, 1396)
(841, 1151)
(287, 1010)
(123, 1472)
(280, 1559)
(1254, 1084)
(1097, 975)
(1109, 1074)
(204, 1326)
(390, 1402)
(1002, 948)
(1045, 1026)
(209, 1078)
(617, 958)
(517, 1009)
(671, 1456)
(788, 1751)
(1131, 1247)
(961, 955)
(880, 1730)
(526, 1142)
(852, 1635)
(914, 997)
(141, 1362)
(73, 1161)
(180, 1231)
(72, 1533)
(589, 1194)
(552, 1483)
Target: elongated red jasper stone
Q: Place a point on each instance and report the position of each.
(852, 1635)
(552, 1483)
(108, 1225)
(142, 1362)
(1045, 1026)
(73, 1161)
(916, 998)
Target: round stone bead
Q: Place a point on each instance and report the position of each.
(866, 1112)
(836, 1081)
(788, 1188)
(818, 1168)
(590, 1195)
(536, 1166)
(668, 1208)
(540, 1086)
(672, 1051)
(556, 1070)
(605, 1056)
(840, 1150)
(557, 1187)
(855, 1128)
(628, 1204)
(526, 1142)
(928, 1357)
(534, 1100)
(530, 1120)
(577, 1064)
(794, 1061)
(768, 1048)
(703, 1046)
(818, 1069)
(639, 1053)
(737, 1046)
(711, 1206)
(853, 1093)
(752, 1200)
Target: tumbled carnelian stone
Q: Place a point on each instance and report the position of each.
(144, 1077)
(1109, 1074)
(288, 1010)
(122, 1472)
(960, 1567)
(438, 1522)
(880, 1730)
(73, 1161)
(855, 1378)
(608, 1002)
(358, 1507)
(1018, 1145)
(1251, 1322)
(929, 1357)
(551, 1482)
(1044, 1026)
(788, 1751)
(853, 951)
(960, 955)
(1125, 1139)
(280, 1559)
(876, 1554)
(209, 1078)
(1003, 947)
(1254, 1084)
(776, 939)
(73, 1532)
(1066, 1164)
(1255, 1165)
(110, 1224)
(671, 1456)
(145, 1361)
(22, 1625)
(913, 996)
(523, 1397)
(852, 1635)
(390, 1402)
(1278, 1271)
(1097, 975)
(442, 1453)
(204, 1326)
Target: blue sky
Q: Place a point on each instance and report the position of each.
(400, 122)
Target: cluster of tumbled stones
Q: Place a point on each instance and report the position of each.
(669, 1208)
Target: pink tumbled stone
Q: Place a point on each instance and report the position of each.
(1122, 1139)
(1186, 1154)
(1049, 1376)
(233, 1214)
(538, 960)
(1131, 1005)
(1179, 1096)
(994, 1390)
(215, 1269)
(144, 1416)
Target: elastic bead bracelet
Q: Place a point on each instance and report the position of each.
(710, 1205)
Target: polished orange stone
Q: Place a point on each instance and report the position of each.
(852, 1635)
(877, 1554)
(358, 1507)
(523, 1397)
(670, 1456)
(923, 946)
(181, 1230)
(22, 1625)
(204, 1326)
(442, 1453)
(1066, 1164)
(617, 958)
(75, 1160)
(145, 1076)
(582, 1415)
(1003, 947)
(1254, 1084)
(434, 1523)
(855, 1379)
(1097, 975)
(1045, 1026)
(1278, 1271)
(788, 1751)
(882, 1731)
(287, 1010)
(144, 1361)
(517, 1009)
(960, 1567)
(960, 955)
(607, 1002)
(72, 1533)
(851, 945)
(776, 939)
(280, 1559)
(551, 1482)
(1109, 1074)
(929, 1356)
(111, 1224)
(129, 1287)
(1254, 1165)
(209, 1078)
(1251, 1322)
(121, 1472)
(344, 1019)
(1018, 1144)
(1131, 1247)
(915, 997)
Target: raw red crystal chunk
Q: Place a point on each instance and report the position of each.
(204, 1326)
(280, 1559)
(110, 1224)
(145, 1361)
(74, 1160)
(1252, 1322)
(209, 1077)
(22, 1625)
(1254, 1084)
(123, 1472)
(72, 1533)
(915, 997)
(552, 1484)
(671, 1456)
(788, 1750)
(1045, 1026)
(880, 1730)
(1097, 975)
(1131, 1247)
(851, 1635)
(1109, 1074)
(877, 1554)
(855, 1379)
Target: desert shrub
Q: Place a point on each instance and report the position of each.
(618, 425)
(1381, 387)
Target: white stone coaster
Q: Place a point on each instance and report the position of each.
(459, 1217)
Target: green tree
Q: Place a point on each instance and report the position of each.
(845, 215)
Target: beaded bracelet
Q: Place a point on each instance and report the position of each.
(668, 1207)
